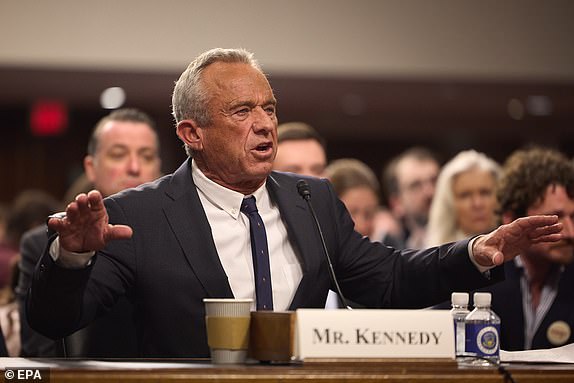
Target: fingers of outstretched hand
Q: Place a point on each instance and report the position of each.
(83, 206)
(534, 221)
(95, 200)
(80, 204)
(72, 210)
(87, 203)
(546, 230)
(547, 238)
(56, 224)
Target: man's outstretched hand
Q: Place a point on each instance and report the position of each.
(507, 241)
(85, 226)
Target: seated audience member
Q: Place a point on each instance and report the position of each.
(188, 236)
(9, 316)
(409, 182)
(123, 152)
(464, 202)
(357, 186)
(386, 229)
(300, 150)
(536, 301)
(29, 209)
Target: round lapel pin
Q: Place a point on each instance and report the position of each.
(558, 333)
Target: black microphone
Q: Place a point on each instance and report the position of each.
(305, 193)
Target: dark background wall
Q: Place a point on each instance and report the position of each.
(374, 77)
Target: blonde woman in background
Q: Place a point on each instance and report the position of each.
(464, 203)
(358, 188)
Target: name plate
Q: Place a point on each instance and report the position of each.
(374, 334)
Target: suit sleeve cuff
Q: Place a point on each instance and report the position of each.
(482, 269)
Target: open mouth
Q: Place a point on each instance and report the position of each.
(264, 147)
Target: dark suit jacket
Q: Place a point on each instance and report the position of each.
(171, 263)
(507, 303)
(32, 246)
(113, 335)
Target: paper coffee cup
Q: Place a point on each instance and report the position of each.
(227, 322)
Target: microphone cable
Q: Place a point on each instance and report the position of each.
(305, 193)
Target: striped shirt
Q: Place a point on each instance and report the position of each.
(534, 317)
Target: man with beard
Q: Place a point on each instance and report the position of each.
(536, 301)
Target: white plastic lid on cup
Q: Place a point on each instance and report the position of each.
(459, 299)
(482, 299)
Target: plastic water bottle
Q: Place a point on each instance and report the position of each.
(482, 336)
(459, 311)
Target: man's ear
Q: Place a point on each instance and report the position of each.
(89, 168)
(191, 134)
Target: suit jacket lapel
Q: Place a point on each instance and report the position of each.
(188, 221)
(301, 231)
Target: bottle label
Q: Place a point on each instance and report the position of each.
(483, 339)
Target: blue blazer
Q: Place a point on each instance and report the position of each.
(507, 303)
(170, 264)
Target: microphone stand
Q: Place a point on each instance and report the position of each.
(305, 193)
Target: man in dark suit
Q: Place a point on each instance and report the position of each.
(171, 243)
(536, 300)
(123, 152)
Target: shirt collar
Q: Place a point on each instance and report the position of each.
(518, 262)
(223, 198)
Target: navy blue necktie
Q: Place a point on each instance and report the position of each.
(260, 253)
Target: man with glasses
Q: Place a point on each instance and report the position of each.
(409, 180)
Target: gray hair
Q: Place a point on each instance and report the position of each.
(190, 99)
(442, 226)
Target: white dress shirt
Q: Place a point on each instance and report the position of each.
(230, 230)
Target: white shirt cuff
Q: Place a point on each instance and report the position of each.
(482, 269)
(69, 259)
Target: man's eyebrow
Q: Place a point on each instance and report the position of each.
(251, 104)
(239, 103)
(147, 149)
(118, 145)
